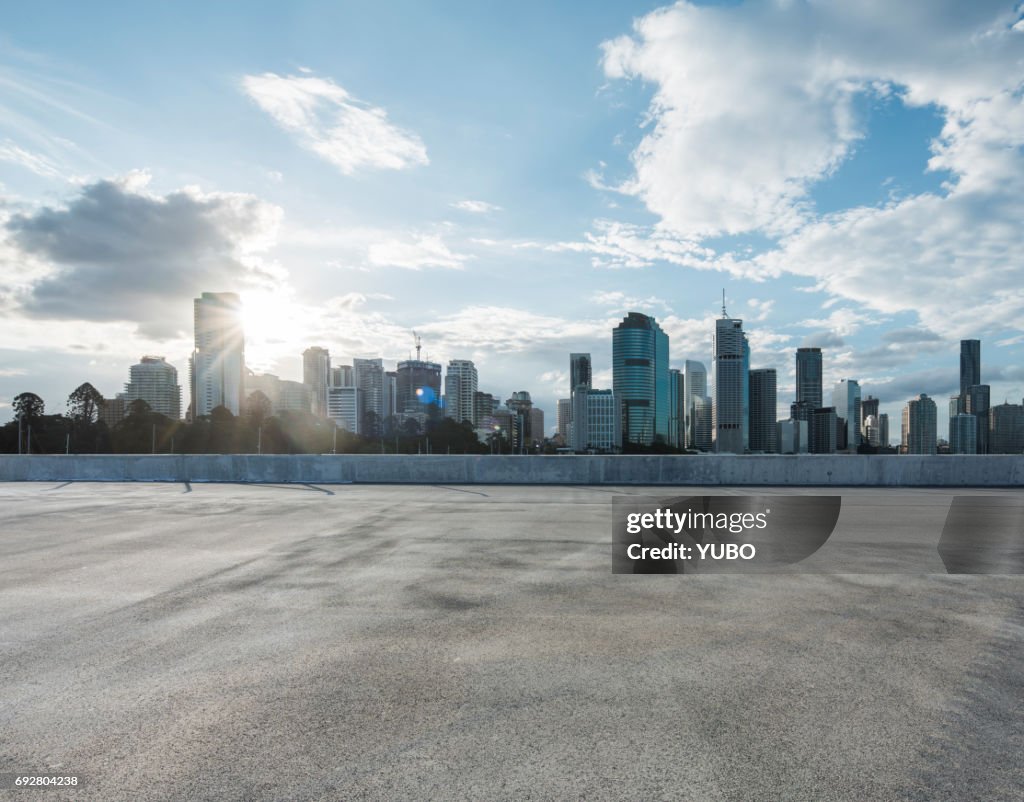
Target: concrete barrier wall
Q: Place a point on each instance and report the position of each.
(706, 470)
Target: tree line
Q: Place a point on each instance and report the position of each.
(144, 431)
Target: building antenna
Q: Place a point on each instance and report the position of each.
(724, 315)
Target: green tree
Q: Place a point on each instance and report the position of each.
(84, 403)
(28, 407)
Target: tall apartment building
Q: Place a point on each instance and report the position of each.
(217, 364)
(368, 376)
(460, 385)
(764, 436)
(564, 416)
(345, 407)
(597, 422)
(920, 427)
(316, 375)
(703, 418)
(155, 381)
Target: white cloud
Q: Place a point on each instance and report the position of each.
(37, 163)
(753, 104)
(327, 120)
(623, 245)
(476, 206)
(415, 252)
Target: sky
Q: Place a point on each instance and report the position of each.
(509, 180)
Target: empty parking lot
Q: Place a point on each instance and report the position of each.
(307, 642)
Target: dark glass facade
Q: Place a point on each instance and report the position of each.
(640, 379)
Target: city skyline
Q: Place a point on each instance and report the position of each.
(514, 213)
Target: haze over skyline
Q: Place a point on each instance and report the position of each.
(510, 182)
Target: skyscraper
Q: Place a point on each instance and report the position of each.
(970, 365)
(763, 402)
(920, 430)
(640, 379)
(731, 400)
(217, 364)
(580, 375)
(977, 402)
(368, 376)
(868, 408)
(703, 413)
(1006, 429)
(695, 386)
(316, 375)
(155, 381)
(460, 383)
(821, 431)
(963, 434)
(564, 416)
(597, 421)
(676, 408)
(846, 400)
(418, 387)
(808, 383)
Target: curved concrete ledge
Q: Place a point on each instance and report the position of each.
(707, 470)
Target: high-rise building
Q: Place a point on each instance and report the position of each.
(808, 377)
(963, 434)
(341, 376)
(676, 408)
(970, 365)
(368, 376)
(846, 400)
(821, 431)
(113, 410)
(597, 422)
(731, 400)
(1006, 429)
(389, 393)
(418, 387)
(640, 379)
(217, 364)
(920, 428)
(155, 381)
(536, 426)
(316, 375)
(345, 407)
(695, 386)
(703, 416)
(871, 432)
(460, 385)
(580, 375)
(763, 431)
(284, 395)
(977, 403)
(868, 408)
(883, 430)
(564, 416)
(792, 436)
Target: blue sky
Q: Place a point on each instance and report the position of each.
(509, 181)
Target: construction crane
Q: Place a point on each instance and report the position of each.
(419, 345)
